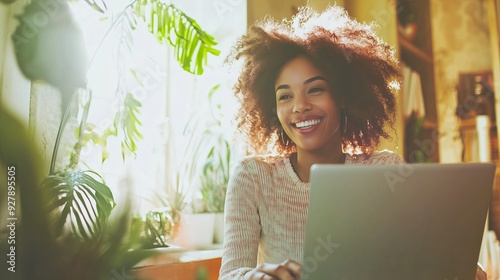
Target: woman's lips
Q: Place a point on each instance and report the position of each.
(307, 126)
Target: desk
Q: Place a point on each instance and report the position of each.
(179, 264)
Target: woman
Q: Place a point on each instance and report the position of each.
(316, 89)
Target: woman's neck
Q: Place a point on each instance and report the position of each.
(303, 160)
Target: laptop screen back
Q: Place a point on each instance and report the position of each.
(418, 221)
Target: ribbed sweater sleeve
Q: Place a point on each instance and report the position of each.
(242, 230)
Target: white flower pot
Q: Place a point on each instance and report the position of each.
(196, 231)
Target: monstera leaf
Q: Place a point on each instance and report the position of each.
(84, 203)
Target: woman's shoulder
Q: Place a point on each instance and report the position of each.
(377, 157)
(253, 172)
(260, 162)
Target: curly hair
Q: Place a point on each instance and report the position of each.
(361, 69)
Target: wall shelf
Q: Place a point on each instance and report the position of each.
(417, 55)
(410, 48)
(429, 124)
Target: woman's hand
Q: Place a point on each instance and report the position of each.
(287, 270)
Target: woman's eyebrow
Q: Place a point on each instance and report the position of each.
(282, 87)
(315, 78)
(310, 80)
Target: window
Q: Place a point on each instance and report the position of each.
(134, 62)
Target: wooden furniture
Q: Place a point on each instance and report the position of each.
(417, 55)
(181, 265)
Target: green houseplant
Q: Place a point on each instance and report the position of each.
(215, 161)
(199, 188)
(192, 228)
(215, 176)
(39, 252)
(39, 58)
(214, 180)
(94, 247)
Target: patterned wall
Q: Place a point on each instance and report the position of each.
(461, 44)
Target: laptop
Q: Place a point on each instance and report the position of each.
(406, 221)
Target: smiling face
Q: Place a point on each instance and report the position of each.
(306, 108)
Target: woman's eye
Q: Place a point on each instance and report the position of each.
(316, 89)
(284, 97)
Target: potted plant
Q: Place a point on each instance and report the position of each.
(214, 180)
(216, 167)
(94, 247)
(159, 227)
(198, 195)
(194, 227)
(155, 228)
(38, 250)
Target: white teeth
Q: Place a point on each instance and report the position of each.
(307, 123)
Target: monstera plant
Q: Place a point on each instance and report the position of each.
(38, 252)
(70, 211)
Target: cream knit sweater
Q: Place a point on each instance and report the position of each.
(266, 211)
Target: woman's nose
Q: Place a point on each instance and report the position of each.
(301, 104)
